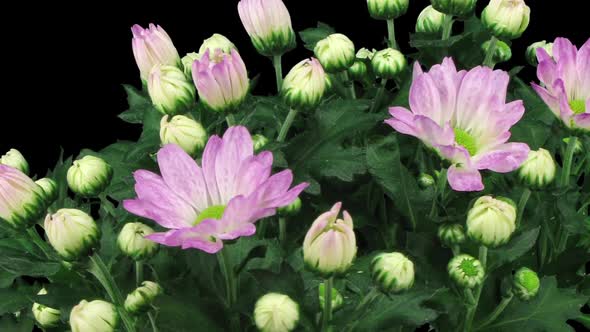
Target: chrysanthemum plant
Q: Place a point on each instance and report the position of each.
(249, 202)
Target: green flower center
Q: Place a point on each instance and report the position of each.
(468, 267)
(465, 139)
(578, 106)
(212, 212)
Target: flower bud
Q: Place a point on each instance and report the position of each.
(215, 42)
(133, 243)
(461, 8)
(365, 54)
(142, 297)
(49, 187)
(187, 63)
(268, 24)
(276, 312)
(387, 9)
(89, 176)
(22, 201)
(46, 317)
(451, 234)
(358, 70)
(502, 51)
(466, 271)
(526, 284)
(506, 19)
(388, 63)
(304, 86)
(578, 148)
(335, 52)
(330, 244)
(94, 316)
(538, 170)
(291, 209)
(425, 180)
(151, 47)
(221, 80)
(491, 221)
(72, 233)
(430, 21)
(337, 299)
(259, 142)
(14, 158)
(170, 90)
(392, 272)
(184, 132)
(531, 51)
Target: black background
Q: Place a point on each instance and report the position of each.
(64, 65)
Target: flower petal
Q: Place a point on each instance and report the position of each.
(565, 53)
(583, 68)
(551, 101)
(504, 158)
(236, 147)
(253, 171)
(208, 166)
(464, 179)
(203, 237)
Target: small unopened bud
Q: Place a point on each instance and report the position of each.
(133, 243)
(276, 312)
(259, 142)
(392, 272)
(215, 42)
(170, 90)
(388, 63)
(578, 148)
(184, 132)
(94, 316)
(461, 8)
(451, 234)
(425, 180)
(14, 158)
(89, 176)
(187, 63)
(72, 233)
(337, 299)
(305, 85)
(142, 297)
(526, 283)
(506, 19)
(291, 209)
(502, 51)
(531, 51)
(387, 9)
(49, 187)
(430, 20)
(46, 317)
(358, 70)
(491, 221)
(365, 54)
(466, 271)
(335, 53)
(538, 170)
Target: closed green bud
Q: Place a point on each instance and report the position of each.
(335, 53)
(430, 20)
(142, 297)
(291, 209)
(184, 132)
(491, 221)
(392, 272)
(276, 312)
(365, 54)
(170, 90)
(305, 85)
(466, 271)
(451, 234)
(425, 180)
(49, 187)
(388, 63)
(387, 9)
(506, 19)
(89, 176)
(133, 243)
(526, 283)
(259, 142)
(72, 233)
(187, 63)
(502, 51)
(337, 299)
(14, 158)
(538, 170)
(578, 146)
(358, 70)
(531, 51)
(46, 317)
(94, 316)
(461, 8)
(215, 42)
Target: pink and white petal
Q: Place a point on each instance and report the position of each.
(504, 158)
(583, 120)
(202, 236)
(401, 113)
(236, 147)
(542, 55)
(509, 115)
(583, 68)
(182, 174)
(565, 54)
(402, 121)
(447, 81)
(425, 99)
(454, 153)
(431, 133)
(347, 219)
(208, 167)
(464, 179)
(547, 73)
(551, 101)
(417, 70)
(239, 217)
(290, 196)
(253, 172)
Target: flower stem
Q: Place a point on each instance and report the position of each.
(231, 288)
(524, 198)
(231, 120)
(152, 322)
(282, 230)
(138, 273)
(350, 84)
(276, 61)
(379, 95)
(497, 312)
(567, 161)
(103, 275)
(391, 34)
(489, 59)
(327, 314)
(440, 190)
(447, 27)
(371, 295)
(286, 125)
(472, 309)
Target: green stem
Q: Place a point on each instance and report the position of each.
(497, 312)
(231, 288)
(483, 255)
(276, 61)
(471, 310)
(152, 322)
(391, 34)
(327, 314)
(103, 275)
(456, 250)
(367, 299)
(282, 230)
(231, 120)
(447, 27)
(350, 84)
(524, 198)
(440, 190)
(138, 273)
(286, 125)
(489, 59)
(584, 319)
(379, 95)
(567, 162)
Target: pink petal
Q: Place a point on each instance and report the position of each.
(208, 166)
(424, 98)
(504, 158)
(253, 172)
(565, 53)
(239, 216)
(464, 179)
(203, 237)
(583, 68)
(402, 121)
(431, 133)
(583, 120)
(547, 72)
(551, 101)
(236, 147)
(455, 154)
(509, 115)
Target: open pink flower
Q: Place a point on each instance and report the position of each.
(219, 200)
(566, 82)
(464, 117)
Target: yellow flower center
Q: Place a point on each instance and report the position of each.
(466, 140)
(212, 212)
(578, 106)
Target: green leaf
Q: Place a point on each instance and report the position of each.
(547, 312)
(514, 249)
(13, 301)
(16, 260)
(311, 36)
(138, 104)
(10, 323)
(183, 313)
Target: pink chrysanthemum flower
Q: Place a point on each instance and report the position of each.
(566, 82)
(464, 117)
(219, 200)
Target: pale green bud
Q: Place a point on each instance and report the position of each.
(215, 42)
(392, 272)
(335, 53)
(46, 317)
(491, 221)
(187, 63)
(387, 9)
(358, 70)
(461, 8)
(49, 187)
(72, 233)
(305, 85)
(430, 20)
(94, 316)
(170, 90)
(291, 209)
(133, 243)
(276, 312)
(15, 159)
(451, 234)
(502, 51)
(259, 142)
(337, 299)
(142, 297)
(526, 283)
(506, 19)
(578, 147)
(466, 271)
(538, 170)
(531, 51)
(425, 180)
(89, 176)
(388, 63)
(365, 54)
(184, 132)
